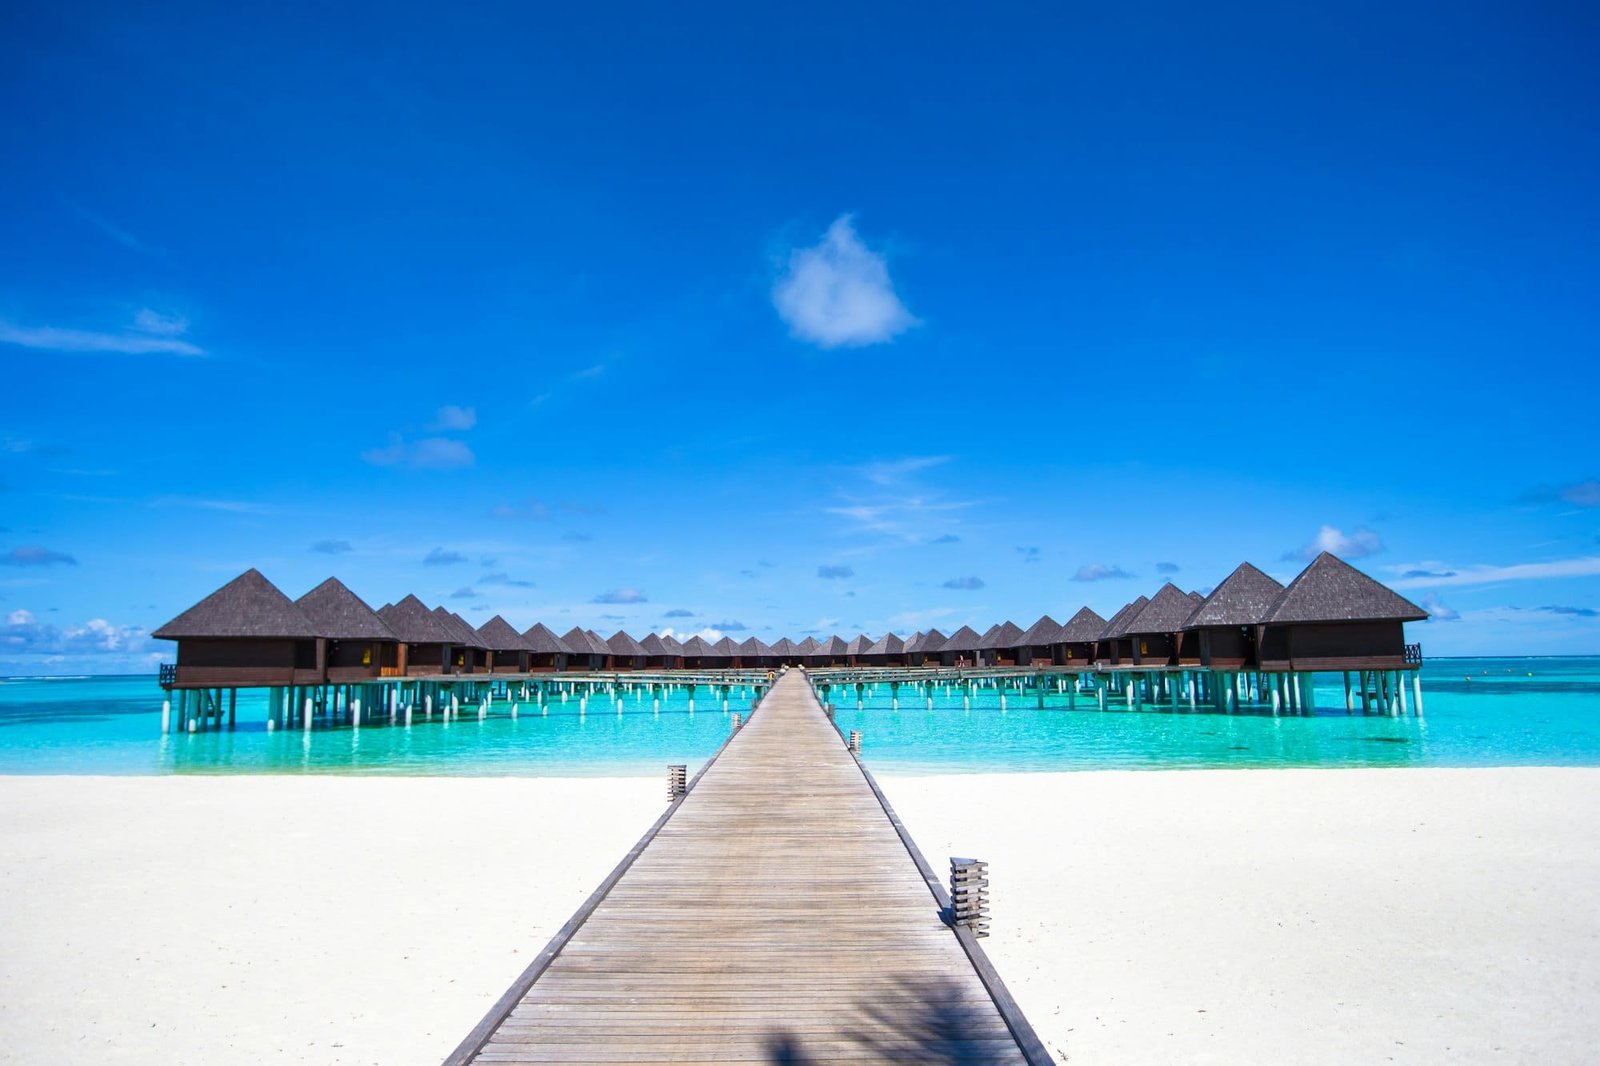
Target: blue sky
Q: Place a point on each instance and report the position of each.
(794, 321)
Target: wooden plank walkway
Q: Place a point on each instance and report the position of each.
(774, 915)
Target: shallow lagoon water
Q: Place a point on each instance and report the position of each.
(1479, 712)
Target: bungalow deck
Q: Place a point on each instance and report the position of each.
(777, 913)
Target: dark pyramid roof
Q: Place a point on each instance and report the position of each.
(247, 606)
(1004, 635)
(621, 643)
(1166, 613)
(832, 647)
(339, 614)
(1241, 600)
(859, 645)
(784, 647)
(889, 645)
(933, 642)
(915, 641)
(597, 642)
(1082, 628)
(654, 645)
(673, 645)
(726, 647)
(806, 647)
(1331, 590)
(1118, 625)
(578, 641)
(1197, 598)
(697, 648)
(413, 623)
(1039, 634)
(461, 632)
(541, 639)
(754, 648)
(500, 636)
(964, 639)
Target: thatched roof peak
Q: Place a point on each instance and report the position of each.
(1084, 627)
(1331, 590)
(500, 635)
(1041, 633)
(859, 646)
(339, 614)
(1004, 635)
(1118, 625)
(1165, 613)
(247, 606)
(542, 640)
(1243, 599)
(753, 648)
(888, 645)
(622, 644)
(411, 620)
(832, 648)
(964, 639)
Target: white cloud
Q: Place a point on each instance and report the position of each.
(1587, 566)
(1438, 611)
(893, 471)
(709, 634)
(1358, 544)
(51, 339)
(429, 453)
(450, 417)
(838, 293)
(148, 321)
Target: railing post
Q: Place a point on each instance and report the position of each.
(738, 720)
(677, 782)
(969, 894)
(855, 742)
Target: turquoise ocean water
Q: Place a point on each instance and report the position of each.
(1479, 712)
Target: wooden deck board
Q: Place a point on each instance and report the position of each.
(775, 916)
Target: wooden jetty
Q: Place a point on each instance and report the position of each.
(776, 913)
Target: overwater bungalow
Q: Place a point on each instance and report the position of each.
(587, 653)
(725, 653)
(508, 652)
(806, 651)
(855, 652)
(426, 643)
(831, 652)
(698, 655)
(1113, 646)
(246, 633)
(546, 651)
(1074, 645)
(927, 650)
(960, 648)
(889, 650)
(1226, 623)
(1334, 617)
(1033, 647)
(1000, 645)
(470, 654)
(657, 655)
(754, 654)
(786, 652)
(1154, 632)
(353, 643)
(626, 653)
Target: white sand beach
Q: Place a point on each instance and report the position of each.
(1322, 916)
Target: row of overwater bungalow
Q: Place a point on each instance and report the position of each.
(1331, 617)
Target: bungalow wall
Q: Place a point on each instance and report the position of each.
(546, 662)
(242, 662)
(1225, 647)
(1340, 645)
(1152, 649)
(1075, 653)
(359, 660)
(425, 660)
(510, 662)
